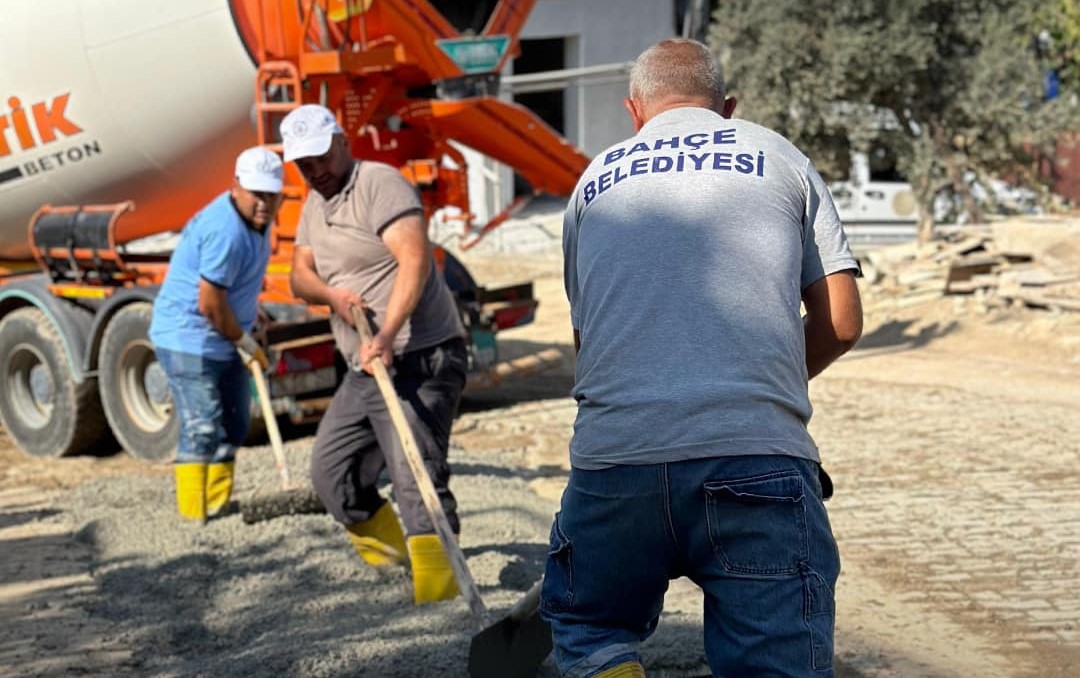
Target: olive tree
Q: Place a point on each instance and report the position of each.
(963, 83)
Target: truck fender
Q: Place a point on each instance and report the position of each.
(105, 313)
(71, 320)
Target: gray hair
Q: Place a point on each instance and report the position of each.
(676, 67)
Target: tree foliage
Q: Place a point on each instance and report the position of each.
(954, 89)
(1060, 20)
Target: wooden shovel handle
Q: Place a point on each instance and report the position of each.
(270, 420)
(423, 479)
(528, 605)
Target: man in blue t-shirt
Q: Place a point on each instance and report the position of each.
(201, 328)
(688, 251)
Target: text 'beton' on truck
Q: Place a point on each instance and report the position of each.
(133, 123)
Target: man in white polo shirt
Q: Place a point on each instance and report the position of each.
(362, 241)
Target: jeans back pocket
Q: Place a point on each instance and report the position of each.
(757, 525)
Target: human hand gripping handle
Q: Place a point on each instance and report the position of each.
(370, 346)
(373, 347)
(423, 480)
(250, 351)
(342, 302)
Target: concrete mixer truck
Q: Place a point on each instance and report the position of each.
(120, 118)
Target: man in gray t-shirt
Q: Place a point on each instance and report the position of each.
(688, 251)
(362, 242)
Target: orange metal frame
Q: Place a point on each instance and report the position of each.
(370, 60)
(377, 64)
(85, 262)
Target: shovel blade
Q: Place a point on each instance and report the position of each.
(261, 506)
(510, 648)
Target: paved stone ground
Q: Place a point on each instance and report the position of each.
(957, 514)
(976, 514)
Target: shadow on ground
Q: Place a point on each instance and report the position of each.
(545, 471)
(20, 517)
(901, 335)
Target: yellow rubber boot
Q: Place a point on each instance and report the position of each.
(379, 540)
(219, 484)
(433, 576)
(191, 491)
(624, 670)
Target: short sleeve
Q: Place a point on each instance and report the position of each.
(302, 238)
(390, 196)
(220, 254)
(570, 276)
(825, 247)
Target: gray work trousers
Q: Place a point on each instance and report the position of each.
(356, 439)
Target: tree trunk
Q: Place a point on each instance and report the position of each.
(925, 197)
(926, 226)
(971, 205)
(954, 168)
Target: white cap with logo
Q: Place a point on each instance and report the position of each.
(259, 169)
(307, 131)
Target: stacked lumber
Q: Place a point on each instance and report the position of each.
(1033, 262)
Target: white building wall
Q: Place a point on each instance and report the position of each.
(604, 32)
(597, 32)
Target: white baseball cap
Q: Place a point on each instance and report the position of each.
(259, 169)
(307, 131)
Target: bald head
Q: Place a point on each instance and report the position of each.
(674, 73)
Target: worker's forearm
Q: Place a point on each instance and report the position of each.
(833, 320)
(823, 346)
(409, 284)
(307, 285)
(222, 319)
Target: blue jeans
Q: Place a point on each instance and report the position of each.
(212, 399)
(751, 531)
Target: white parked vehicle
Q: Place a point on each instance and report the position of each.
(876, 205)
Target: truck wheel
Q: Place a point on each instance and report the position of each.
(42, 408)
(134, 390)
(457, 277)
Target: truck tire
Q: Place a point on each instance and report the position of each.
(134, 391)
(457, 277)
(42, 407)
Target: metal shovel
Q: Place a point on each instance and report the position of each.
(423, 480)
(515, 646)
(291, 500)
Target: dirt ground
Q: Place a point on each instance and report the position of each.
(951, 436)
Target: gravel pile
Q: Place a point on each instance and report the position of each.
(289, 596)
